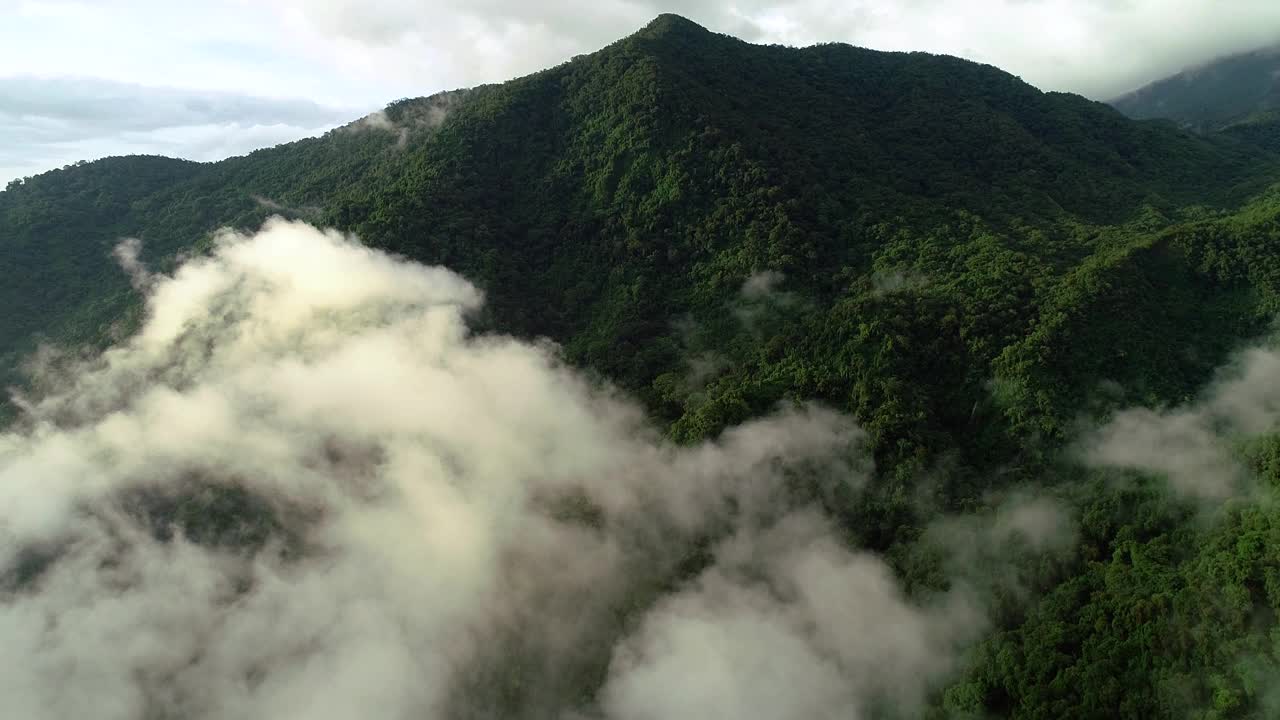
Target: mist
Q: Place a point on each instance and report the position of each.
(405, 118)
(305, 488)
(1193, 446)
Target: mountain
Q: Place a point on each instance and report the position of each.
(798, 161)
(1221, 93)
(978, 272)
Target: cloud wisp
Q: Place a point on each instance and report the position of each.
(407, 117)
(1191, 445)
(304, 487)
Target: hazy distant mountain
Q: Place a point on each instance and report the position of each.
(1213, 96)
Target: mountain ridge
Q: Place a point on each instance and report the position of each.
(821, 144)
(1212, 96)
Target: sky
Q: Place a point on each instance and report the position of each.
(208, 79)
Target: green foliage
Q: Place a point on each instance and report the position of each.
(1164, 617)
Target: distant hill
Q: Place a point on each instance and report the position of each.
(1224, 92)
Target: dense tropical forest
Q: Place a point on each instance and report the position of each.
(985, 276)
(1238, 89)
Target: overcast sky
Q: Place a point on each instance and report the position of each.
(81, 79)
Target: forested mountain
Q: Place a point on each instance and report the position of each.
(1236, 89)
(978, 272)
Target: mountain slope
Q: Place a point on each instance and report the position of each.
(683, 162)
(970, 267)
(611, 201)
(1221, 93)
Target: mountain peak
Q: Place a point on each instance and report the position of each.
(670, 24)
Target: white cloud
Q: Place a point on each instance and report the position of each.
(1191, 444)
(436, 512)
(128, 253)
(788, 625)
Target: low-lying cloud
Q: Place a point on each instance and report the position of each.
(408, 117)
(1191, 445)
(305, 488)
(788, 624)
(128, 253)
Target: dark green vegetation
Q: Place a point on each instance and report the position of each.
(967, 265)
(1228, 91)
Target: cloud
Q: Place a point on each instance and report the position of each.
(760, 300)
(762, 284)
(991, 552)
(1191, 445)
(50, 122)
(1099, 48)
(885, 282)
(405, 118)
(304, 487)
(227, 46)
(788, 624)
(128, 253)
